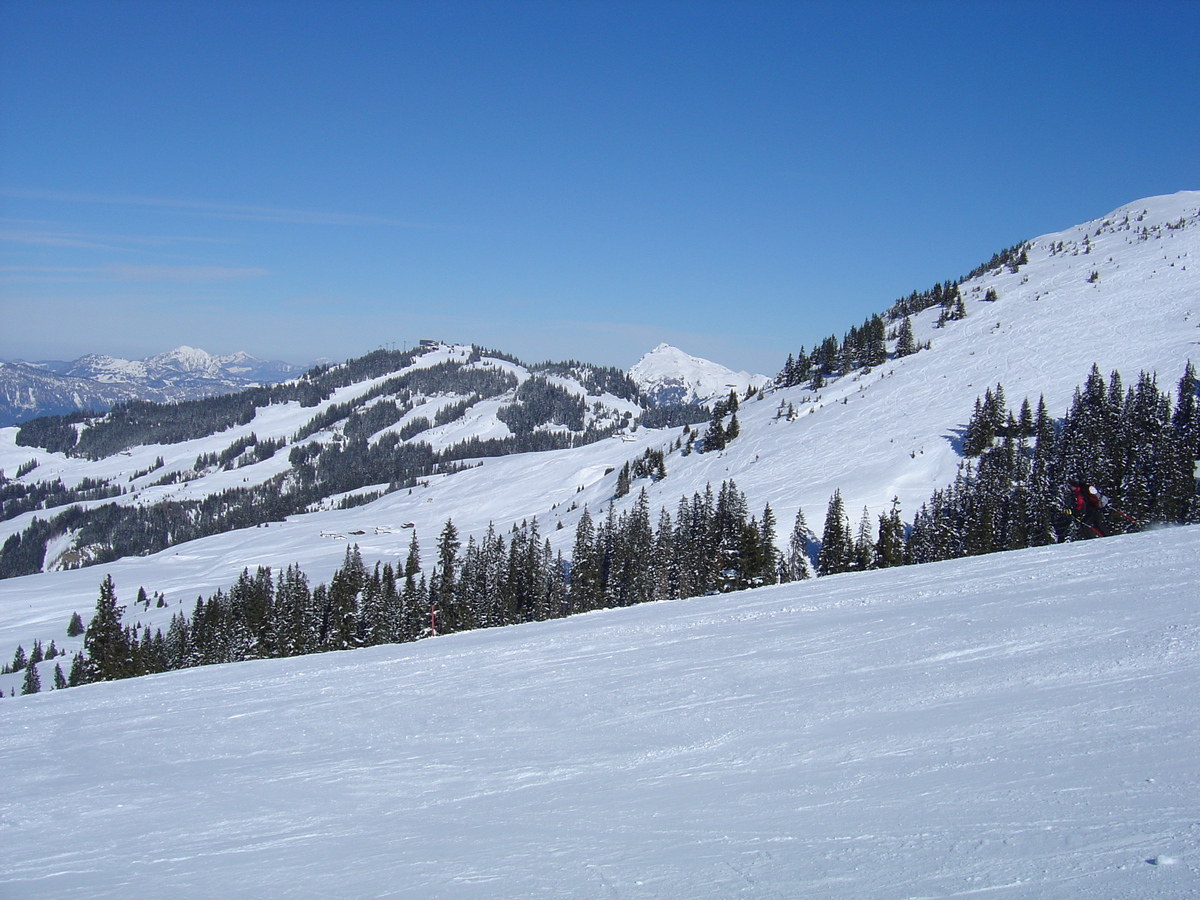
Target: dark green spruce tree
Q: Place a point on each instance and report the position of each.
(33, 682)
(837, 545)
(105, 643)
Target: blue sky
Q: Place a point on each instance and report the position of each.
(557, 179)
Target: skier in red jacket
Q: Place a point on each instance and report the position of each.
(1084, 505)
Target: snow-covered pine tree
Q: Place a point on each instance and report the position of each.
(663, 568)
(796, 564)
(864, 544)
(451, 616)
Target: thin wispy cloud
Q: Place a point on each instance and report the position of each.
(121, 272)
(238, 211)
(17, 231)
(53, 239)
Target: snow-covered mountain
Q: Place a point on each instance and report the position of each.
(183, 367)
(669, 377)
(893, 432)
(96, 382)
(1021, 723)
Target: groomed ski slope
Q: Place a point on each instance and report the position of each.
(1021, 725)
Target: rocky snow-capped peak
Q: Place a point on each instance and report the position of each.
(670, 377)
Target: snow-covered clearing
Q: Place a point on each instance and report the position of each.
(1022, 725)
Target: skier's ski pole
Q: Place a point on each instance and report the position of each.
(1092, 528)
(1126, 516)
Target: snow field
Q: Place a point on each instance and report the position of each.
(1022, 724)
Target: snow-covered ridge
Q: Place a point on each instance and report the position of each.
(670, 377)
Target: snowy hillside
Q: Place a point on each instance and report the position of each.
(1021, 725)
(449, 397)
(670, 377)
(891, 432)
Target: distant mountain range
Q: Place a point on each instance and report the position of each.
(666, 376)
(96, 382)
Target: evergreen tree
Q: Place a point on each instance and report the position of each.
(864, 544)
(889, 549)
(517, 590)
(75, 626)
(622, 482)
(769, 562)
(105, 643)
(875, 347)
(343, 598)
(906, 344)
(33, 682)
(298, 617)
(1026, 425)
(60, 680)
(412, 562)
(715, 437)
(79, 673)
(1183, 487)
(684, 543)
(635, 543)
(663, 566)
(733, 545)
(374, 614)
(451, 617)
(1186, 418)
(797, 563)
(584, 585)
(837, 546)
(749, 557)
